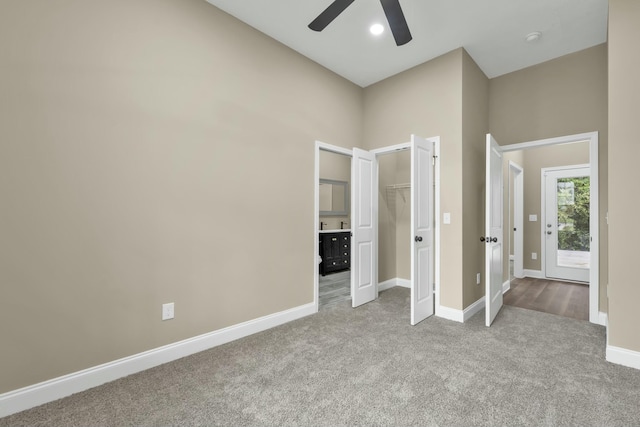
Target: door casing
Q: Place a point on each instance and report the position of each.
(517, 221)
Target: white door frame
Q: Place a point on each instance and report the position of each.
(543, 210)
(316, 209)
(594, 225)
(518, 218)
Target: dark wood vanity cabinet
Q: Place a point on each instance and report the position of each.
(335, 251)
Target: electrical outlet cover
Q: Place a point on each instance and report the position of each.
(168, 311)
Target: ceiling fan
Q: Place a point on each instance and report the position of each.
(392, 10)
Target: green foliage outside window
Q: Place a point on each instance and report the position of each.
(573, 214)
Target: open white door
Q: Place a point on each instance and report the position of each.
(493, 230)
(364, 224)
(422, 234)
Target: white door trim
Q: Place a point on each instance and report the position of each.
(518, 218)
(316, 211)
(594, 211)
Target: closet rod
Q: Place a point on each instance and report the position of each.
(398, 186)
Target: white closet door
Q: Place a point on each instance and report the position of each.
(422, 233)
(364, 224)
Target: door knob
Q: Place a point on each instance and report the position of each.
(549, 225)
(549, 232)
(482, 239)
(418, 239)
(494, 239)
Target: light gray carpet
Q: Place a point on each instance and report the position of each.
(369, 367)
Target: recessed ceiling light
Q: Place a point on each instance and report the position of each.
(532, 37)
(376, 29)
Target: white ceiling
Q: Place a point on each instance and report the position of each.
(492, 31)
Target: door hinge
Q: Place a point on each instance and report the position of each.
(434, 160)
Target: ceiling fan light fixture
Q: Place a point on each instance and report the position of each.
(376, 29)
(392, 11)
(532, 37)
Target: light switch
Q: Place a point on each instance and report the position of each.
(446, 218)
(533, 218)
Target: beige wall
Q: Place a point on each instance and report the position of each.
(387, 235)
(403, 216)
(427, 101)
(336, 167)
(394, 217)
(141, 142)
(475, 126)
(624, 152)
(564, 96)
(138, 160)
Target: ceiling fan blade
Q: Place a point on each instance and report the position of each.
(397, 22)
(329, 14)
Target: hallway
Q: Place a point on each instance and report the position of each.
(550, 296)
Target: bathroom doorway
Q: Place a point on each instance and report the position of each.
(334, 240)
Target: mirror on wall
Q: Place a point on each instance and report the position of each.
(334, 197)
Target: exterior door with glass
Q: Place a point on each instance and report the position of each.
(567, 236)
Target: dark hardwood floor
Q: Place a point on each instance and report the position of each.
(550, 296)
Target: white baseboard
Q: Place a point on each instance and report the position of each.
(47, 391)
(602, 318)
(403, 283)
(622, 356)
(388, 284)
(506, 286)
(536, 274)
(468, 312)
(450, 313)
(460, 315)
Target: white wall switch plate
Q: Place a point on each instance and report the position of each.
(167, 311)
(446, 218)
(534, 255)
(478, 279)
(533, 218)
